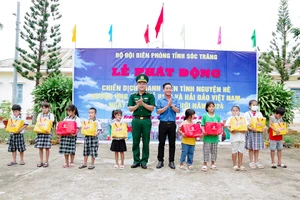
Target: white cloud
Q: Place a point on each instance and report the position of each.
(245, 101)
(85, 81)
(86, 97)
(100, 106)
(80, 63)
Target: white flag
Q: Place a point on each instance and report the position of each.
(182, 33)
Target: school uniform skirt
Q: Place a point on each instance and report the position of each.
(90, 147)
(118, 145)
(254, 141)
(67, 144)
(16, 142)
(43, 141)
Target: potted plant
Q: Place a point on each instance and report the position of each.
(287, 141)
(29, 114)
(5, 111)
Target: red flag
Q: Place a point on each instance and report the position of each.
(146, 35)
(220, 36)
(159, 21)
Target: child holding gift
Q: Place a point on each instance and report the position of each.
(254, 138)
(118, 145)
(91, 143)
(237, 139)
(68, 143)
(43, 141)
(187, 144)
(16, 140)
(276, 141)
(210, 142)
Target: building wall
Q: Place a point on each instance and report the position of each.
(6, 84)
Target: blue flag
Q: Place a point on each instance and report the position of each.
(110, 33)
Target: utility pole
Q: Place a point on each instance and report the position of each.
(14, 88)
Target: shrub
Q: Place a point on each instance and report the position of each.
(271, 95)
(57, 91)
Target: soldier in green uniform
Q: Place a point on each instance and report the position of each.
(141, 103)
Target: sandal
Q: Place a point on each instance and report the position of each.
(91, 167)
(260, 166)
(182, 167)
(236, 168)
(190, 167)
(40, 164)
(242, 168)
(214, 168)
(65, 165)
(71, 165)
(204, 168)
(252, 165)
(116, 166)
(22, 163)
(82, 166)
(282, 165)
(273, 166)
(11, 163)
(121, 166)
(45, 164)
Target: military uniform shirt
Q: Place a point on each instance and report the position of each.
(141, 111)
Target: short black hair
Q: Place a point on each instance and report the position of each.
(114, 112)
(236, 107)
(45, 104)
(280, 111)
(16, 107)
(167, 84)
(92, 108)
(208, 104)
(251, 101)
(189, 113)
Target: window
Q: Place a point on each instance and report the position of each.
(19, 93)
(296, 95)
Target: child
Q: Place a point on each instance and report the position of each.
(276, 141)
(118, 145)
(68, 143)
(43, 141)
(254, 139)
(210, 142)
(187, 144)
(16, 140)
(91, 143)
(237, 141)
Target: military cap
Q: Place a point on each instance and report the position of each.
(142, 78)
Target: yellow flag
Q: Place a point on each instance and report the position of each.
(74, 34)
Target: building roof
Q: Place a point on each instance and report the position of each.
(65, 54)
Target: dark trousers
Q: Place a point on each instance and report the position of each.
(166, 129)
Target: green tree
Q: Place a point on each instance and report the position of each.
(296, 32)
(42, 36)
(1, 26)
(283, 55)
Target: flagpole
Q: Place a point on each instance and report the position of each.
(184, 36)
(162, 30)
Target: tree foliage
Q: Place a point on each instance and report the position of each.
(42, 36)
(284, 52)
(57, 91)
(272, 94)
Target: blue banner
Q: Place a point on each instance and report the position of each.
(105, 78)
